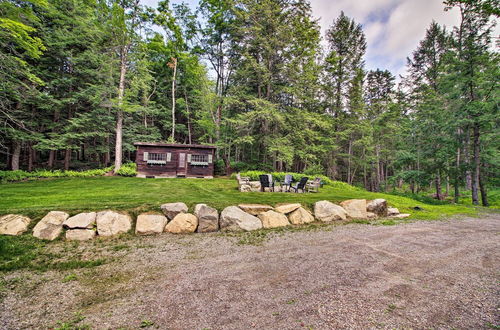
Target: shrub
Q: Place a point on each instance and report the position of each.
(128, 169)
(10, 176)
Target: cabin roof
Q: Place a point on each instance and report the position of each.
(174, 145)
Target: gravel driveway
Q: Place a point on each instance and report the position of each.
(442, 274)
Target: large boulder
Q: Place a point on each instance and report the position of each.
(355, 208)
(50, 226)
(272, 219)
(377, 206)
(371, 215)
(80, 234)
(183, 223)
(300, 216)
(110, 223)
(149, 224)
(208, 218)
(327, 211)
(172, 209)
(81, 221)
(392, 211)
(286, 208)
(255, 209)
(233, 218)
(13, 224)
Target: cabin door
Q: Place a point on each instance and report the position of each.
(181, 168)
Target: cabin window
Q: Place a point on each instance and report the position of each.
(156, 158)
(200, 160)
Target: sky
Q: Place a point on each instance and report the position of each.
(393, 28)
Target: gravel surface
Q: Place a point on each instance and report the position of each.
(441, 274)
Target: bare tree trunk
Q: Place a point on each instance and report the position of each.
(67, 159)
(16, 153)
(484, 195)
(438, 186)
(119, 114)
(173, 65)
(31, 157)
(52, 159)
(468, 176)
(477, 165)
(188, 116)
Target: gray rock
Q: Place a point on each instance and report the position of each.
(110, 223)
(208, 218)
(245, 188)
(172, 209)
(327, 211)
(13, 224)
(51, 225)
(235, 219)
(81, 221)
(377, 206)
(80, 234)
(391, 211)
(149, 224)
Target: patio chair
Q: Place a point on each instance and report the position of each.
(242, 179)
(313, 186)
(285, 185)
(300, 185)
(265, 182)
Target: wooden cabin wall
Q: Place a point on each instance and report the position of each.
(171, 168)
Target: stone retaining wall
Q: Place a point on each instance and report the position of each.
(176, 219)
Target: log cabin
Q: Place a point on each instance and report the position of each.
(168, 160)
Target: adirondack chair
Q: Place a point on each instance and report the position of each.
(313, 186)
(242, 179)
(265, 182)
(285, 185)
(301, 185)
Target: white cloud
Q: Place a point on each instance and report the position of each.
(393, 28)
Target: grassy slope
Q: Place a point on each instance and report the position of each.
(35, 198)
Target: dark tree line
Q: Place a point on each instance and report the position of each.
(81, 80)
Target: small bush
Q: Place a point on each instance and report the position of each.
(128, 169)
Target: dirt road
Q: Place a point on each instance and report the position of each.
(442, 274)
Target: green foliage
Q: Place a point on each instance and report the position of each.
(19, 175)
(128, 169)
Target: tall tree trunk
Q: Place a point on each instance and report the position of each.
(31, 157)
(438, 186)
(477, 164)
(119, 114)
(16, 153)
(173, 65)
(67, 158)
(52, 159)
(484, 196)
(188, 117)
(468, 176)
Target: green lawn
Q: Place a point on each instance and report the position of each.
(73, 195)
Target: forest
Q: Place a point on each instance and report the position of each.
(82, 80)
